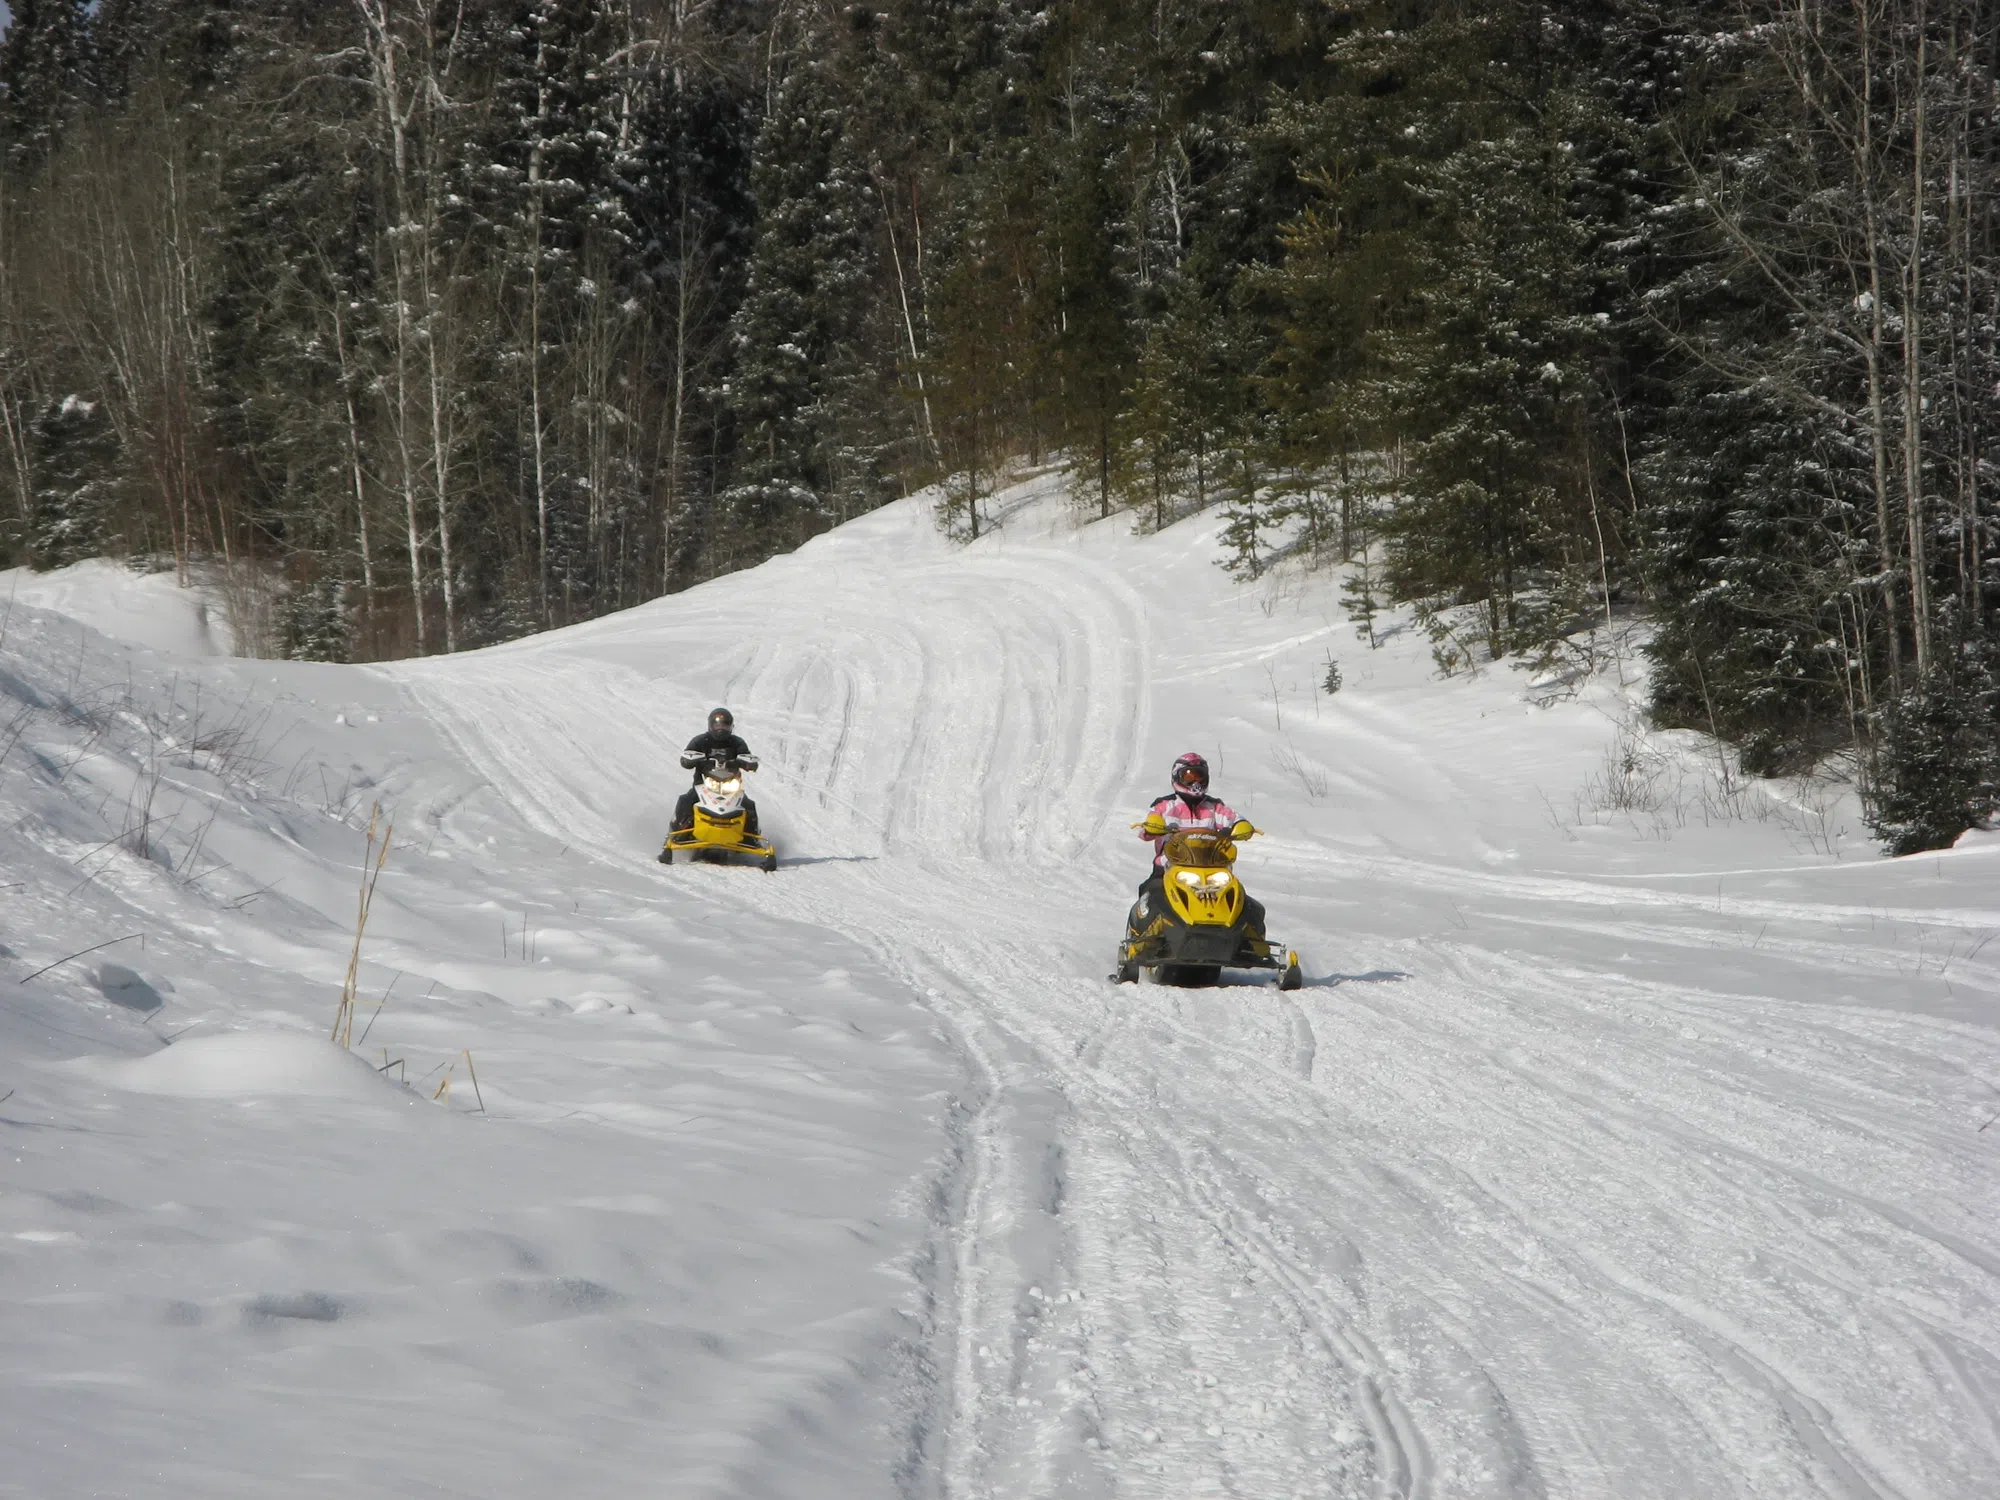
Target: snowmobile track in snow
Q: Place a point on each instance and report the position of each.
(1466, 1222)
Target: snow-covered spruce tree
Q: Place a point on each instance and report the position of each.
(1492, 380)
(45, 79)
(524, 178)
(1758, 535)
(979, 363)
(1244, 455)
(1079, 290)
(76, 463)
(316, 623)
(193, 47)
(986, 357)
(1821, 489)
(1761, 500)
(1937, 768)
(1182, 108)
(284, 394)
(1320, 452)
(1245, 515)
(132, 286)
(548, 178)
(1459, 295)
(811, 265)
(46, 85)
(686, 186)
(1089, 315)
(1182, 392)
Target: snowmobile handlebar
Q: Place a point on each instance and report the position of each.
(722, 765)
(1156, 826)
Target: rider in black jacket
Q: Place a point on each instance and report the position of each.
(719, 743)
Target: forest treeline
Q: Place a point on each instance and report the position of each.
(465, 318)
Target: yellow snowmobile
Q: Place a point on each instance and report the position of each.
(717, 828)
(1208, 924)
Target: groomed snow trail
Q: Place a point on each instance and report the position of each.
(1567, 1174)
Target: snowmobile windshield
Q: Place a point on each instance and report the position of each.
(1199, 848)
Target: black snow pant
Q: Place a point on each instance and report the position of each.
(684, 812)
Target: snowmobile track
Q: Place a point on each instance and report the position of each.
(1506, 1226)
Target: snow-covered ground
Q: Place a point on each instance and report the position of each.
(1606, 1153)
(147, 609)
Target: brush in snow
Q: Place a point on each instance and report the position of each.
(719, 824)
(1207, 922)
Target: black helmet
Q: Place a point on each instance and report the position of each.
(720, 721)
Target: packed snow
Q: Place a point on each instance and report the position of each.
(157, 609)
(1628, 1138)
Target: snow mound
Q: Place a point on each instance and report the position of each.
(247, 1064)
(144, 609)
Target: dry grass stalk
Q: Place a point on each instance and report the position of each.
(371, 871)
(473, 1074)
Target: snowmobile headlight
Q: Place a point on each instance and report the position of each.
(1195, 880)
(733, 784)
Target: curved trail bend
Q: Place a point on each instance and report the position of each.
(1549, 1183)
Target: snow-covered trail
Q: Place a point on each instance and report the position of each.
(667, 1240)
(1567, 1175)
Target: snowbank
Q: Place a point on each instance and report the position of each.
(143, 609)
(246, 1065)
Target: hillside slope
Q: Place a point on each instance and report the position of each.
(1602, 1154)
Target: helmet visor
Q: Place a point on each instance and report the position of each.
(1190, 778)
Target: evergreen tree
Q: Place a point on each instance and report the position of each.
(554, 165)
(977, 361)
(687, 190)
(490, 316)
(193, 50)
(316, 624)
(1817, 529)
(1492, 380)
(1178, 408)
(45, 78)
(811, 260)
(1457, 294)
(284, 388)
(1092, 337)
(1938, 769)
(76, 452)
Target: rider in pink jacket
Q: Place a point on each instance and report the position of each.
(1188, 805)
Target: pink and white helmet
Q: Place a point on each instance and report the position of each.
(1191, 773)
